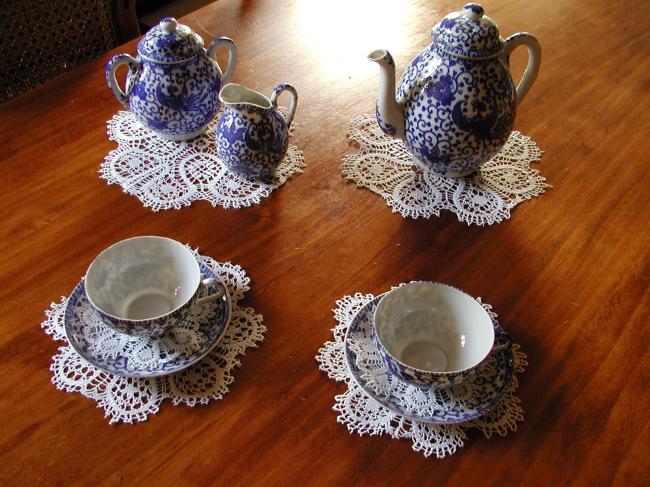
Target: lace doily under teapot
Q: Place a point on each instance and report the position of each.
(364, 414)
(384, 166)
(130, 399)
(163, 174)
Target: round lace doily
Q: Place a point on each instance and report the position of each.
(384, 166)
(130, 400)
(163, 174)
(364, 415)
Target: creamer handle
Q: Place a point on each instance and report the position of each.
(294, 100)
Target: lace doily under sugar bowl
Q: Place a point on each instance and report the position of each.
(163, 174)
(370, 403)
(132, 399)
(384, 166)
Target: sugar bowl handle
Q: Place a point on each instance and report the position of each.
(218, 294)
(294, 100)
(534, 60)
(229, 44)
(111, 67)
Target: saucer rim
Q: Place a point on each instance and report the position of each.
(509, 370)
(144, 374)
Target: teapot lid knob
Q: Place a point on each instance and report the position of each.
(469, 34)
(169, 24)
(473, 11)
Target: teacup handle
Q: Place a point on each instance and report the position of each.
(206, 284)
(502, 341)
(294, 100)
(534, 60)
(111, 67)
(228, 43)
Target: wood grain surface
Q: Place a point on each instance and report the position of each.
(567, 274)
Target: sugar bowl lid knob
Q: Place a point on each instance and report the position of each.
(473, 11)
(168, 25)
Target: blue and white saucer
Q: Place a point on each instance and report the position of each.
(132, 356)
(466, 401)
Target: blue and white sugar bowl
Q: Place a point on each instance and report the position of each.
(252, 134)
(173, 84)
(455, 105)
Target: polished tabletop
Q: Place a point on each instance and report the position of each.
(567, 273)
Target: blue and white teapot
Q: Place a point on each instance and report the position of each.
(173, 85)
(456, 102)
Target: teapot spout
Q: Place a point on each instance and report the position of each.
(390, 114)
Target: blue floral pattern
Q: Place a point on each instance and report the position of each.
(252, 140)
(385, 127)
(468, 34)
(169, 42)
(173, 85)
(474, 397)
(176, 100)
(455, 104)
(458, 113)
(176, 350)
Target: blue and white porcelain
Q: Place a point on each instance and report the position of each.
(476, 396)
(252, 135)
(456, 102)
(432, 334)
(173, 84)
(133, 356)
(145, 286)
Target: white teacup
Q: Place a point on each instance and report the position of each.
(147, 285)
(433, 334)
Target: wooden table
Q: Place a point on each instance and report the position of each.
(568, 273)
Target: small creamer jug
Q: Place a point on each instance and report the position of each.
(252, 134)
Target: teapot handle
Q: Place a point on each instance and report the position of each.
(294, 100)
(232, 56)
(111, 67)
(534, 60)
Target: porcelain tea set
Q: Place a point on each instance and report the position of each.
(174, 87)
(454, 107)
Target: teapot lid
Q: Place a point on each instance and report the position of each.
(468, 34)
(169, 42)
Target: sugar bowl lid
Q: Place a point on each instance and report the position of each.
(169, 42)
(468, 34)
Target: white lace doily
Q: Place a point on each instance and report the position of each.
(364, 415)
(384, 166)
(130, 400)
(163, 174)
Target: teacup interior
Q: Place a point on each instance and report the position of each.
(434, 327)
(142, 278)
